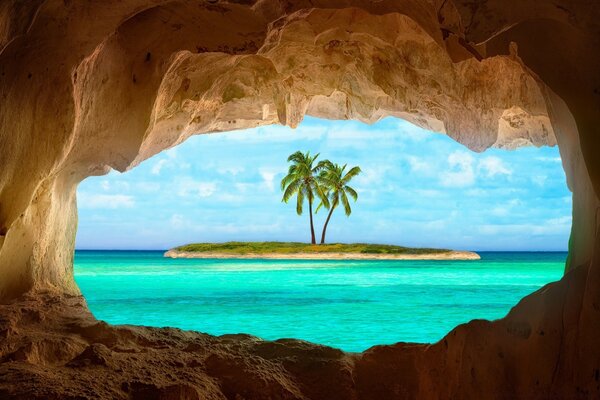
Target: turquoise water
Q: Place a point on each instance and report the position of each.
(351, 305)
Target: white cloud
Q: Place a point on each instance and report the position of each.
(230, 198)
(549, 159)
(566, 219)
(105, 184)
(270, 134)
(428, 192)
(244, 187)
(156, 168)
(435, 225)
(122, 186)
(359, 139)
(108, 201)
(177, 221)
(500, 211)
(268, 176)
(539, 180)
(461, 171)
(515, 203)
(171, 161)
(476, 192)
(492, 166)
(246, 228)
(554, 226)
(171, 153)
(148, 187)
(417, 164)
(507, 208)
(371, 176)
(231, 170)
(99, 218)
(189, 187)
(412, 132)
(349, 135)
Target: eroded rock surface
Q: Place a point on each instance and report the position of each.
(89, 86)
(84, 94)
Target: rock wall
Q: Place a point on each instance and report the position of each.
(89, 86)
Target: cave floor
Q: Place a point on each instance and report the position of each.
(53, 348)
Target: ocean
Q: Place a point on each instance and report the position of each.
(351, 305)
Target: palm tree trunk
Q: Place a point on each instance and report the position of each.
(312, 228)
(325, 226)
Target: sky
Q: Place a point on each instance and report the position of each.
(417, 188)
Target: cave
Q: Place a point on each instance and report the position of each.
(86, 87)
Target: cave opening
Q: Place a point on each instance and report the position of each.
(89, 86)
(417, 189)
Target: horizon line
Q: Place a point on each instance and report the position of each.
(482, 251)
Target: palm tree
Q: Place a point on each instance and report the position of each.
(336, 182)
(303, 180)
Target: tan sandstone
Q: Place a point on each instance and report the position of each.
(89, 86)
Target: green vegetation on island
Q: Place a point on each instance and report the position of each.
(241, 248)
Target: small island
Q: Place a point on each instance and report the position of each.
(304, 251)
(328, 183)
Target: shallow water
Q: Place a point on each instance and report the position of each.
(351, 305)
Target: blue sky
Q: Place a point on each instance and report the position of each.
(417, 188)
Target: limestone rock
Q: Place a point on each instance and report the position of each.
(90, 86)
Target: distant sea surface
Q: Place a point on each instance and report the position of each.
(351, 305)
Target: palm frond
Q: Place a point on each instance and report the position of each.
(287, 180)
(292, 188)
(296, 157)
(300, 202)
(346, 203)
(326, 181)
(321, 166)
(319, 207)
(351, 174)
(335, 202)
(351, 192)
(321, 194)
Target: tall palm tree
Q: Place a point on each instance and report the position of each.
(336, 183)
(303, 181)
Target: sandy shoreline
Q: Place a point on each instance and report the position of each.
(451, 255)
